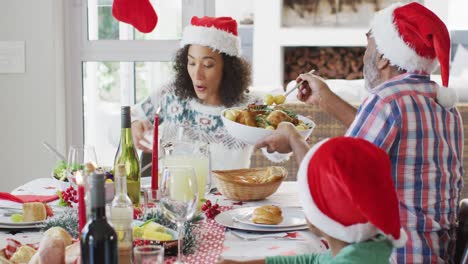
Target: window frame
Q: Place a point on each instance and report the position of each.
(79, 49)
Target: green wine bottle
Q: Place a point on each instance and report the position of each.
(127, 155)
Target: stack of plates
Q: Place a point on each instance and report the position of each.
(293, 219)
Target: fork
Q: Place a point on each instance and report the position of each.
(296, 86)
(258, 236)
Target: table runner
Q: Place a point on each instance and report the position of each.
(210, 242)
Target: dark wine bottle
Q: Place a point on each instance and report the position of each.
(127, 155)
(98, 238)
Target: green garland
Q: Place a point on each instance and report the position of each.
(189, 232)
(67, 219)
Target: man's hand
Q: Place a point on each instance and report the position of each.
(138, 131)
(313, 89)
(280, 139)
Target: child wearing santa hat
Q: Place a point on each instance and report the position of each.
(348, 197)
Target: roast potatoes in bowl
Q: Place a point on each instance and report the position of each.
(257, 122)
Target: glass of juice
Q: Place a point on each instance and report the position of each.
(195, 154)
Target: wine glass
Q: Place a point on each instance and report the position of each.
(179, 197)
(81, 162)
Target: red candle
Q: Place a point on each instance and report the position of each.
(154, 161)
(81, 207)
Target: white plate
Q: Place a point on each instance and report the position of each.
(251, 135)
(229, 219)
(21, 227)
(172, 232)
(6, 221)
(292, 217)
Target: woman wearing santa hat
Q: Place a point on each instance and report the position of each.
(210, 75)
(348, 198)
(412, 118)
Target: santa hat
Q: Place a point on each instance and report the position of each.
(218, 33)
(347, 192)
(413, 38)
(138, 13)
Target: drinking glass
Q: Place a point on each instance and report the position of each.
(150, 201)
(81, 162)
(179, 197)
(148, 254)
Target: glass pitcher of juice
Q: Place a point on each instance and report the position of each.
(191, 153)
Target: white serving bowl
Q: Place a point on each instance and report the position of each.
(251, 135)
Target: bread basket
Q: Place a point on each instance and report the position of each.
(249, 184)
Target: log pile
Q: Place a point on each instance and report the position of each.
(328, 62)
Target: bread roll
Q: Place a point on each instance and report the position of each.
(59, 233)
(72, 253)
(23, 254)
(3, 260)
(268, 215)
(51, 251)
(33, 212)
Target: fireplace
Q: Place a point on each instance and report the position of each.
(328, 62)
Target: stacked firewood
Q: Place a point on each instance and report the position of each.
(328, 62)
(303, 7)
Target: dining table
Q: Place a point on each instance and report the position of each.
(215, 240)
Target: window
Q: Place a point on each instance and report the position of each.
(111, 64)
(457, 15)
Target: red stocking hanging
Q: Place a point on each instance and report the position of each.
(139, 13)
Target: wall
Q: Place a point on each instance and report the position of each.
(236, 9)
(31, 103)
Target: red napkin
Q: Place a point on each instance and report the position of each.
(28, 198)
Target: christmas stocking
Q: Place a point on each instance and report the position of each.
(138, 13)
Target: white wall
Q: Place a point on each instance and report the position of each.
(28, 101)
(236, 9)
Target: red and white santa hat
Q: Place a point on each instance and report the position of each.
(347, 192)
(413, 38)
(219, 33)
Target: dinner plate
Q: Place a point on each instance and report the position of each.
(22, 227)
(230, 219)
(292, 217)
(6, 221)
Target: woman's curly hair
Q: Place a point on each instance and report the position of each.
(235, 82)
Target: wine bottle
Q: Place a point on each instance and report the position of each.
(98, 238)
(127, 155)
(122, 215)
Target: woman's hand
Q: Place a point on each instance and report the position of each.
(313, 89)
(280, 139)
(138, 131)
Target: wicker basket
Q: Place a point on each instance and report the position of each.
(229, 185)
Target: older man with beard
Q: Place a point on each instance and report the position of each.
(410, 117)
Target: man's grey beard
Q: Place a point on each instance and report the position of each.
(371, 73)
